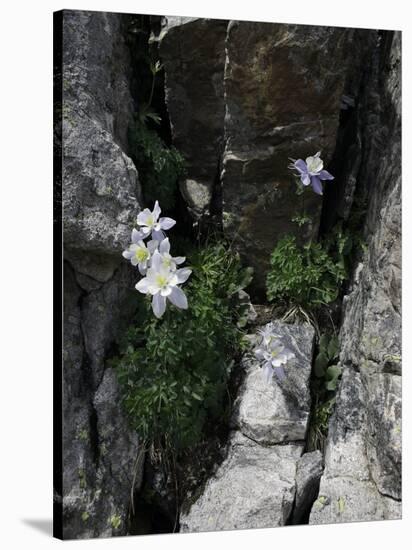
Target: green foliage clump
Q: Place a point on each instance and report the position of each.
(325, 367)
(160, 167)
(324, 385)
(173, 372)
(309, 275)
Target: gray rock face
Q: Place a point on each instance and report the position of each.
(255, 486)
(308, 473)
(362, 478)
(278, 412)
(243, 97)
(282, 100)
(100, 184)
(193, 53)
(101, 196)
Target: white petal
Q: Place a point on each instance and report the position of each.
(142, 268)
(127, 254)
(143, 285)
(156, 260)
(136, 236)
(143, 216)
(183, 274)
(134, 261)
(178, 298)
(156, 211)
(179, 260)
(164, 246)
(166, 223)
(166, 291)
(158, 235)
(158, 305)
(152, 246)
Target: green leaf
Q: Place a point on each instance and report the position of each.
(323, 342)
(321, 362)
(333, 348)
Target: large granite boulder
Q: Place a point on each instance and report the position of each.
(255, 486)
(100, 195)
(362, 478)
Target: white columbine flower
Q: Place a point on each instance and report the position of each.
(168, 261)
(161, 282)
(273, 354)
(138, 253)
(150, 224)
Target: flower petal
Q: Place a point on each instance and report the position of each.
(143, 216)
(137, 236)
(305, 178)
(156, 211)
(279, 372)
(166, 223)
(178, 298)
(324, 175)
(166, 291)
(179, 260)
(317, 185)
(183, 274)
(128, 254)
(300, 166)
(158, 235)
(142, 268)
(143, 285)
(156, 260)
(152, 246)
(164, 246)
(158, 305)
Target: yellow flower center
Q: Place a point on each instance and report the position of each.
(141, 254)
(150, 221)
(161, 280)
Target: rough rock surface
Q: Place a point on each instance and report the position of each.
(193, 54)
(278, 412)
(308, 474)
(255, 485)
(282, 100)
(243, 97)
(362, 478)
(101, 196)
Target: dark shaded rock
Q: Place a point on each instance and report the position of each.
(308, 473)
(193, 54)
(101, 196)
(283, 86)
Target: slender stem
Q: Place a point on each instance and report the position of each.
(152, 90)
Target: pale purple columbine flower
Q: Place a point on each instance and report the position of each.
(311, 172)
(161, 282)
(138, 253)
(150, 224)
(273, 355)
(168, 261)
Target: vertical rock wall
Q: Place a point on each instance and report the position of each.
(101, 195)
(362, 478)
(243, 97)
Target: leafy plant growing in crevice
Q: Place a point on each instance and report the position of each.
(173, 371)
(327, 373)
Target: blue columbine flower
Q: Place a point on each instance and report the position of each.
(311, 172)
